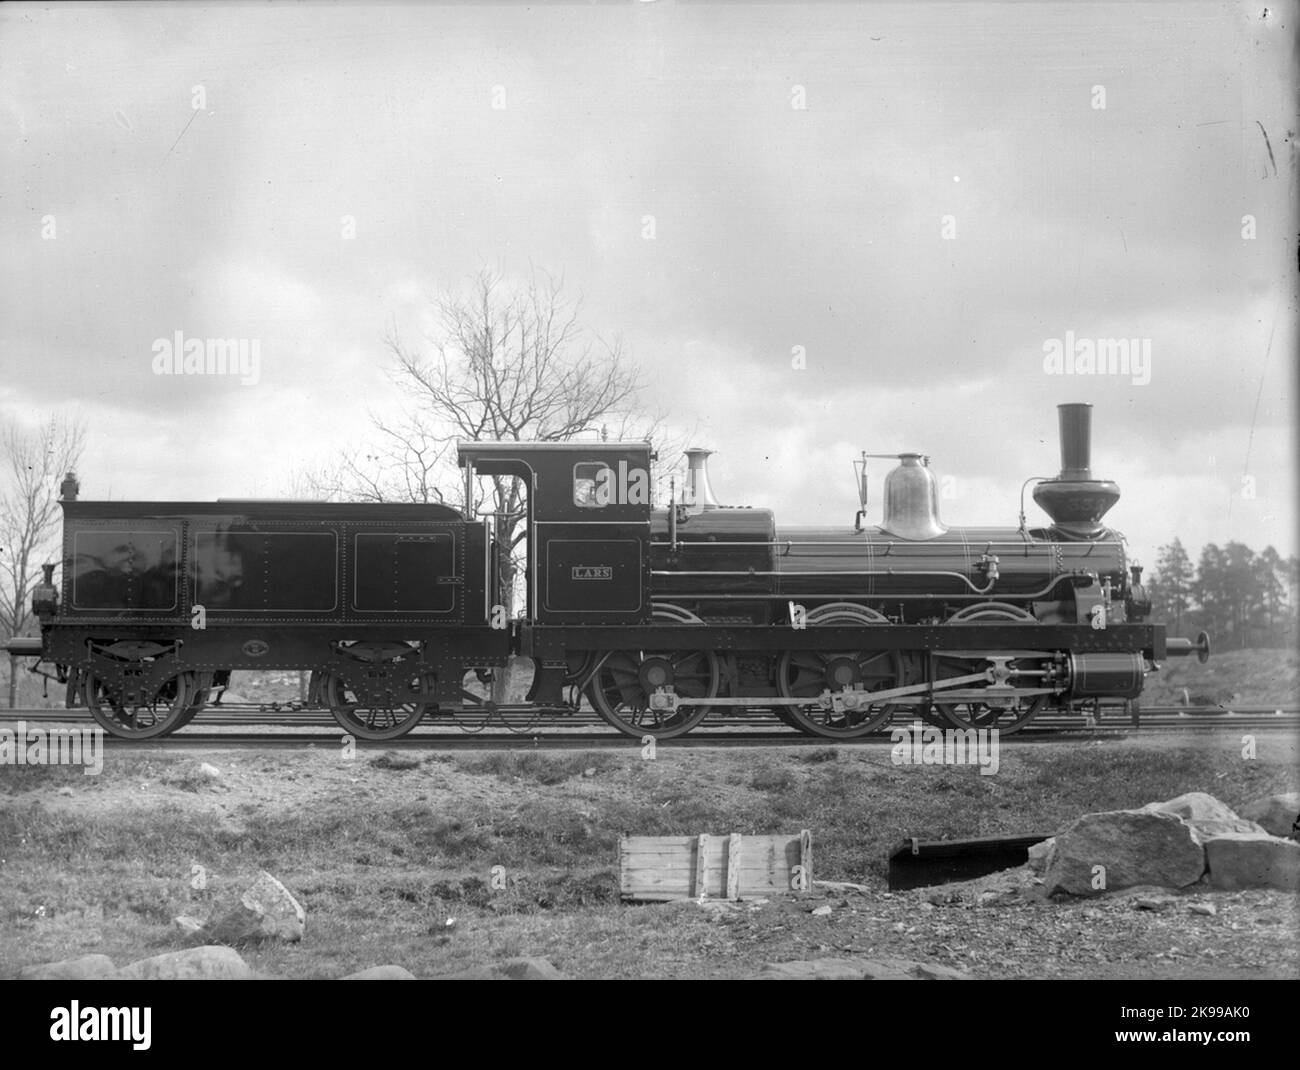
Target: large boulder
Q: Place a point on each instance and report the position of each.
(841, 969)
(1131, 847)
(1204, 813)
(207, 963)
(1276, 814)
(85, 968)
(1253, 860)
(265, 912)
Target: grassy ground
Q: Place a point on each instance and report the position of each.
(383, 849)
(1244, 677)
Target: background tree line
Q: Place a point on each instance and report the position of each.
(1243, 599)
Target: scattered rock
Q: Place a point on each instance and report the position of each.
(392, 760)
(1138, 891)
(186, 925)
(822, 912)
(718, 906)
(86, 968)
(194, 964)
(589, 771)
(209, 771)
(1153, 903)
(1131, 846)
(520, 969)
(842, 886)
(1209, 910)
(840, 969)
(1004, 888)
(1275, 814)
(1204, 813)
(1039, 854)
(265, 912)
(67, 792)
(1253, 860)
(381, 973)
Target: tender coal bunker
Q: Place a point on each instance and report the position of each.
(242, 569)
(124, 570)
(404, 572)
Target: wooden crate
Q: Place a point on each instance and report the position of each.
(660, 868)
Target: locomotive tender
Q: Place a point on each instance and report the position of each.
(659, 617)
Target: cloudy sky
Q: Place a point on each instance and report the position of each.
(916, 203)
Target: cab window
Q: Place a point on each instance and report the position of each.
(587, 476)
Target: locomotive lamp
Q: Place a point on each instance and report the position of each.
(45, 596)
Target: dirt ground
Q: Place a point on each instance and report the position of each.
(383, 849)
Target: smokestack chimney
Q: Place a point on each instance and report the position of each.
(697, 492)
(1074, 500)
(1076, 441)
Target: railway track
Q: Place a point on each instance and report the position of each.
(249, 725)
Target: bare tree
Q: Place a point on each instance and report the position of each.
(511, 363)
(32, 466)
(502, 362)
(406, 465)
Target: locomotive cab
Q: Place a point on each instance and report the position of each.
(588, 525)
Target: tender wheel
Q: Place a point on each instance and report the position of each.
(162, 714)
(373, 723)
(807, 673)
(621, 687)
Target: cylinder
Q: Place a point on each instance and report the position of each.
(1106, 675)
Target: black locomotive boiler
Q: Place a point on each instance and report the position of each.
(658, 617)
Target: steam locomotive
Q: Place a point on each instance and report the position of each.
(657, 617)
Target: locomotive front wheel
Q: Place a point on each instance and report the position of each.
(162, 714)
(373, 723)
